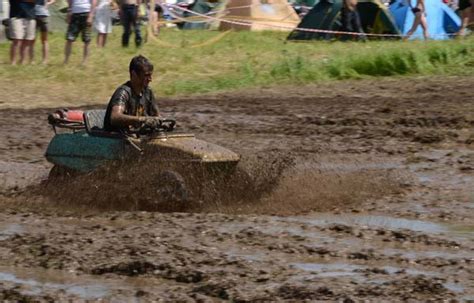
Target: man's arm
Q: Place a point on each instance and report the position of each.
(91, 13)
(119, 119)
(69, 11)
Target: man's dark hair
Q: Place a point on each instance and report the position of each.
(140, 64)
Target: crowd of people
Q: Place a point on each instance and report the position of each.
(27, 17)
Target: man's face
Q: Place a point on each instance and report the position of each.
(144, 77)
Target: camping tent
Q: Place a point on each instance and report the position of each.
(201, 7)
(325, 15)
(442, 20)
(258, 14)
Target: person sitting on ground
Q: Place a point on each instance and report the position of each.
(133, 103)
(420, 19)
(351, 21)
(465, 7)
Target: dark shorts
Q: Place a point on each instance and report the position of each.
(158, 8)
(416, 10)
(42, 23)
(78, 25)
(463, 4)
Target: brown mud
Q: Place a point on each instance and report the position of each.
(349, 191)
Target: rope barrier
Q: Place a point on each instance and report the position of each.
(162, 43)
(245, 23)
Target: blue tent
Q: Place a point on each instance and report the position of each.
(442, 20)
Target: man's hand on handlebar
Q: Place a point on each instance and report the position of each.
(152, 122)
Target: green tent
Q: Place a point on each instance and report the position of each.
(202, 7)
(325, 15)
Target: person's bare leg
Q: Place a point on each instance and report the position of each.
(101, 39)
(424, 26)
(416, 22)
(31, 51)
(98, 40)
(464, 21)
(14, 49)
(23, 51)
(86, 53)
(67, 51)
(44, 47)
(155, 24)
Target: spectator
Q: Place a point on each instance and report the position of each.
(154, 16)
(420, 19)
(465, 7)
(351, 20)
(103, 21)
(79, 18)
(129, 17)
(22, 29)
(42, 14)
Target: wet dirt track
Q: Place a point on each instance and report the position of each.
(377, 204)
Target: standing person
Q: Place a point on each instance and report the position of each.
(420, 19)
(79, 17)
(22, 29)
(465, 7)
(129, 16)
(42, 15)
(103, 21)
(154, 17)
(351, 21)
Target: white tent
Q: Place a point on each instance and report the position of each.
(260, 14)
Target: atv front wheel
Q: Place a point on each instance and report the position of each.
(172, 192)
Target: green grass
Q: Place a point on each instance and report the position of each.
(237, 60)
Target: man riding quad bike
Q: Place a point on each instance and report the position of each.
(135, 149)
(162, 164)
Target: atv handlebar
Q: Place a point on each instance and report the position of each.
(168, 124)
(164, 125)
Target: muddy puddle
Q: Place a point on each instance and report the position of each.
(16, 176)
(41, 283)
(359, 273)
(290, 225)
(7, 230)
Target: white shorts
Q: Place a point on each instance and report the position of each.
(103, 19)
(22, 29)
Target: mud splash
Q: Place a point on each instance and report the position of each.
(263, 183)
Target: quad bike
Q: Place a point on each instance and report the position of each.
(156, 164)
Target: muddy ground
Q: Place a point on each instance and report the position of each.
(372, 199)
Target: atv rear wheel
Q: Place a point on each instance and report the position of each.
(59, 172)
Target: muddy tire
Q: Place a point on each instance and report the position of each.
(60, 173)
(172, 192)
